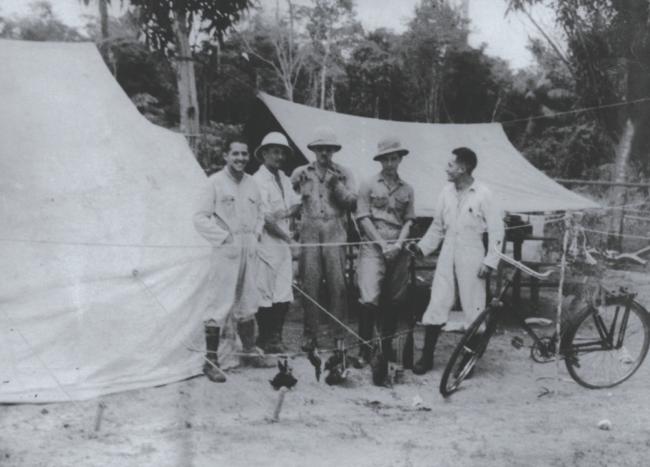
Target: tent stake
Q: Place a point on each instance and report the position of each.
(98, 416)
(278, 405)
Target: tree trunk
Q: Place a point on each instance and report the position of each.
(186, 81)
(323, 71)
(323, 80)
(288, 88)
(623, 150)
(103, 15)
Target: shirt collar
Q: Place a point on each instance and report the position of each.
(230, 176)
(266, 172)
(380, 178)
(335, 167)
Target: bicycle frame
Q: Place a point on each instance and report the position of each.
(521, 322)
(606, 341)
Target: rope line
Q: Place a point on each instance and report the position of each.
(229, 245)
(575, 111)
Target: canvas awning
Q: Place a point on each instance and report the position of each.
(517, 184)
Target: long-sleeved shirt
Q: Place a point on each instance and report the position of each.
(228, 207)
(463, 218)
(275, 197)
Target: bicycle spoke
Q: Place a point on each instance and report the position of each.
(593, 358)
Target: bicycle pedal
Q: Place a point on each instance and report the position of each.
(517, 342)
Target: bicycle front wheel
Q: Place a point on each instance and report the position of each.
(468, 351)
(607, 344)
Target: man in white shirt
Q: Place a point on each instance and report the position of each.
(229, 216)
(275, 274)
(464, 212)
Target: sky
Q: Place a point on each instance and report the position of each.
(505, 37)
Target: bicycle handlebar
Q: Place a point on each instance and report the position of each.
(522, 267)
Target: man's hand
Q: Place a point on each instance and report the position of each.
(391, 250)
(331, 179)
(278, 215)
(484, 272)
(413, 248)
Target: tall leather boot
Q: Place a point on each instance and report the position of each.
(264, 317)
(425, 363)
(389, 323)
(278, 316)
(253, 356)
(379, 361)
(211, 366)
(366, 324)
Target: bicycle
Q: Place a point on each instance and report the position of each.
(603, 345)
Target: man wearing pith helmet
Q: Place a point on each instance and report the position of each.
(385, 211)
(275, 273)
(327, 195)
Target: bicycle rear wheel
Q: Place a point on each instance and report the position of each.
(607, 344)
(468, 351)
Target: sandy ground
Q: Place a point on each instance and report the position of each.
(514, 412)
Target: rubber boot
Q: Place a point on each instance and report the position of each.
(388, 329)
(253, 356)
(211, 366)
(278, 316)
(425, 363)
(366, 324)
(264, 318)
(379, 361)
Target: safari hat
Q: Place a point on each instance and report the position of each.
(274, 138)
(390, 145)
(325, 137)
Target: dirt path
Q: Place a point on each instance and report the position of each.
(504, 416)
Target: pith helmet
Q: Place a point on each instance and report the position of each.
(390, 145)
(274, 138)
(325, 137)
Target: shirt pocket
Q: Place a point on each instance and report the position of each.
(378, 201)
(275, 201)
(401, 204)
(226, 206)
(307, 188)
(472, 217)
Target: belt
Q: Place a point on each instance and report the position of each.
(323, 217)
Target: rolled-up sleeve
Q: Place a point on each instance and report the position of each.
(409, 215)
(204, 218)
(363, 202)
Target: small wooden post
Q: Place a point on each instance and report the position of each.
(99, 414)
(516, 282)
(278, 404)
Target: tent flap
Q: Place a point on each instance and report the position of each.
(103, 279)
(518, 186)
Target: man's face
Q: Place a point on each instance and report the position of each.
(390, 163)
(454, 169)
(324, 154)
(237, 157)
(273, 156)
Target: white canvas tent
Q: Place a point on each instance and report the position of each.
(102, 281)
(518, 185)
